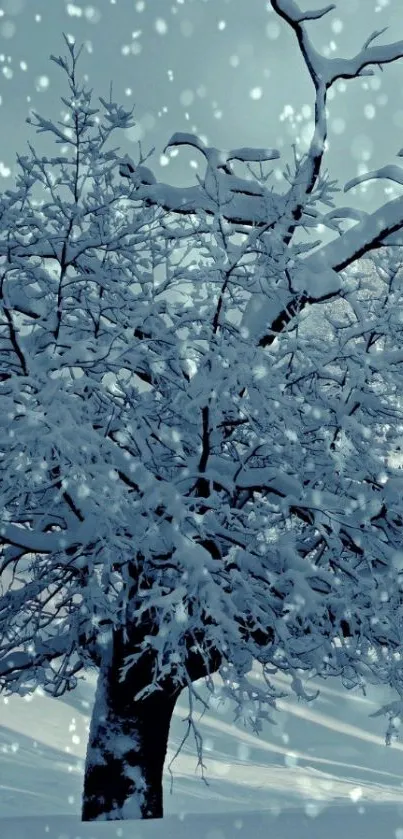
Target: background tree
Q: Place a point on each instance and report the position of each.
(198, 410)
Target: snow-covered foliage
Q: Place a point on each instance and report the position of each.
(198, 415)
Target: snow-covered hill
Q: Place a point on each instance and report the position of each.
(324, 767)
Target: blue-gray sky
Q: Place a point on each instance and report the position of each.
(227, 69)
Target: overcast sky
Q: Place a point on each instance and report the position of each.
(227, 69)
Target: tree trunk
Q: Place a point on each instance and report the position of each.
(127, 746)
(128, 738)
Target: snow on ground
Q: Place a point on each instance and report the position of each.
(323, 768)
(377, 822)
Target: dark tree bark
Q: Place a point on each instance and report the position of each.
(126, 753)
(128, 738)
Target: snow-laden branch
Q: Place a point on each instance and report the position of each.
(290, 12)
(47, 543)
(12, 664)
(244, 202)
(219, 159)
(320, 278)
(350, 68)
(325, 71)
(369, 234)
(240, 201)
(293, 14)
(391, 173)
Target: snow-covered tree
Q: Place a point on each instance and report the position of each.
(199, 408)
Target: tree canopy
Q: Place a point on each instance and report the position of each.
(199, 406)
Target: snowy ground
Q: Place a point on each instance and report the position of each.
(323, 769)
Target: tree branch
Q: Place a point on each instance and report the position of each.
(13, 663)
(45, 543)
(264, 319)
